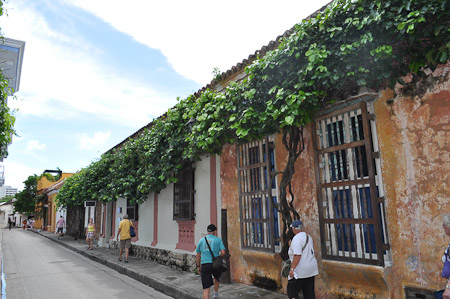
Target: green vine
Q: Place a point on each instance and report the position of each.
(348, 45)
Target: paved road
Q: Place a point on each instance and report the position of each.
(35, 267)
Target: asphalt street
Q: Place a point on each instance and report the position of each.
(35, 267)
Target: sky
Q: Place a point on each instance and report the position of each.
(95, 72)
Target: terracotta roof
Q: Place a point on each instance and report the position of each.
(54, 187)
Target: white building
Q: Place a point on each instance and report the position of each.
(7, 211)
(173, 220)
(11, 57)
(7, 191)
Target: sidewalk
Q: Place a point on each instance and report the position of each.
(175, 283)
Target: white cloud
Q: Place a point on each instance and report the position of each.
(63, 78)
(89, 143)
(17, 173)
(34, 145)
(199, 35)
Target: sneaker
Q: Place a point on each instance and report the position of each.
(216, 296)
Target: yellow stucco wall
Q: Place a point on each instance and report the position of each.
(51, 215)
(43, 183)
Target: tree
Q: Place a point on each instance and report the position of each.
(27, 201)
(6, 198)
(7, 118)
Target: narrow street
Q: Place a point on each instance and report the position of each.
(35, 267)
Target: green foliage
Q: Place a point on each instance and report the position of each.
(7, 118)
(217, 74)
(27, 201)
(349, 45)
(6, 198)
(50, 177)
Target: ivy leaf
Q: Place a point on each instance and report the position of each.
(289, 120)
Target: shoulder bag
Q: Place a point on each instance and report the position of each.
(132, 232)
(219, 263)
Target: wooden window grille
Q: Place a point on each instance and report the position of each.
(350, 194)
(183, 194)
(259, 222)
(132, 210)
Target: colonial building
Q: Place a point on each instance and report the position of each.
(49, 212)
(370, 187)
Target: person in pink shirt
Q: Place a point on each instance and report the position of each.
(60, 225)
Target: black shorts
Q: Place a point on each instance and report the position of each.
(208, 274)
(306, 285)
(60, 230)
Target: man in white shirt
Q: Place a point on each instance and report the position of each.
(303, 264)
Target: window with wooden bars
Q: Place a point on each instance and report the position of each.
(259, 221)
(132, 210)
(350, 193)
(183, 194)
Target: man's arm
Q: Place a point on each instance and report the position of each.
(118, 233)
(197, 260)
(294, 264)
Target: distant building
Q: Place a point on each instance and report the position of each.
(7, 191)
(11, 57)
(2, 175)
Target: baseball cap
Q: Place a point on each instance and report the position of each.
(211, 228)
(297, 224)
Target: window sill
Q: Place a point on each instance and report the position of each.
(360, 278)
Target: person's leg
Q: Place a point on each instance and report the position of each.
(216, 285)
(293, 288)
(216, 276)
(206, 293)
(207, 279)
(308, 288)
(127, 248)
(120, 250)
(216, 288)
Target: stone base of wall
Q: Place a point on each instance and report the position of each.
(179, 261)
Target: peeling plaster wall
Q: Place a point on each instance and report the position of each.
(414, 140)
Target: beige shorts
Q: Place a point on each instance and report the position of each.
(125, 244)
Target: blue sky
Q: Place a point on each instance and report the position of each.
(94, 72)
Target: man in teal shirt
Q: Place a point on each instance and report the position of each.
(205, 259)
